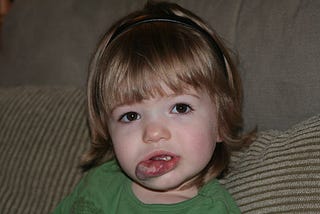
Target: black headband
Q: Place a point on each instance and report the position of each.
(176, 20)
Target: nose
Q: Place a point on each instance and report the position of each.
(156, 132)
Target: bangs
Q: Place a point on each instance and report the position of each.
(138, 64)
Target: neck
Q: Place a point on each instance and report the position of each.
(174, 196)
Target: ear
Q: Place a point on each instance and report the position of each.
(219, 139)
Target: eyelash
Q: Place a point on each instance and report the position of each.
(124, 117)
(184, 105)
(136, 116)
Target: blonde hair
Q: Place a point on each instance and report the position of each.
(133, 64)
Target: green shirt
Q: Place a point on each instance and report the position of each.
(105, 189)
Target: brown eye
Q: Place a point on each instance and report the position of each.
(129, 117)
(181, 108)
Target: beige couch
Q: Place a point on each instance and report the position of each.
(44, 56)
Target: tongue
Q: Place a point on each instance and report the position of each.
(155, 167)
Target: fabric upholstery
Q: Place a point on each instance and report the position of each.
(43, 131)
(279, 172)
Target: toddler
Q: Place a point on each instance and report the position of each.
(164, 100)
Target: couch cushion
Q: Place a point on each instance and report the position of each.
(279, 172)
(43, 131)
(51, 42)
(278, 43)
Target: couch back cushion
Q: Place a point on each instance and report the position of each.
(51, 42)
(43, 133)
(279, 172)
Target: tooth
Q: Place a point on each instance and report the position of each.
(164, 158)
(167, 158)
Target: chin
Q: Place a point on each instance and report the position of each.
(163, 184)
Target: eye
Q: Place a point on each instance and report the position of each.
(181, 108)
(129, 117)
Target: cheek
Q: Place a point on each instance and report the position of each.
(125, 156)
(124, 148)
(122, 138)
(127, 144)
(203, 147)
(202, 139)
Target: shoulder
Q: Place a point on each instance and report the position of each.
(102, 178)
(107, 171)
(219, 197)
(96, 186)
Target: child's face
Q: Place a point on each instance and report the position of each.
(164, 142)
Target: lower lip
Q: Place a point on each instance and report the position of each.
(154, 168)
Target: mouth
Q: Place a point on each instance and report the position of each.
(156, 164)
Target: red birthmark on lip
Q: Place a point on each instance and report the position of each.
(156, 164)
